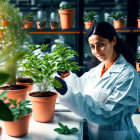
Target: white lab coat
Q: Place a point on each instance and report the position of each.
(108, 102)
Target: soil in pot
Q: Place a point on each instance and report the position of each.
(42, 94)
(15, 92)
(28, 82)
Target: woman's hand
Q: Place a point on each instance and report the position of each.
(63, 74)
(64, 88)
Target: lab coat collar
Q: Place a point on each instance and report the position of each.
(117, 67)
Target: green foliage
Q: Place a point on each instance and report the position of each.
(19, 108)
(29, 17)
(54, 23)
(119, 16)
(5, 112)
(42, 23)
(64, 129)
(12, 49)
(3, 77)
(44, 47)
(63, 57)
(41, 69)
(89, 16)
(64, 5)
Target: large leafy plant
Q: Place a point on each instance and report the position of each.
(12, 49)
(63, 56)
(41, 69)
(89, 16)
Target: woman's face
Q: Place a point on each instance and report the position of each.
(102, 48)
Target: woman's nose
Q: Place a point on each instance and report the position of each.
(96, 49)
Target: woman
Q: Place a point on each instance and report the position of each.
(108, 94)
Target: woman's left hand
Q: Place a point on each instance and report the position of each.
(64, 87)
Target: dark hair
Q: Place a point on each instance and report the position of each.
(107, 31)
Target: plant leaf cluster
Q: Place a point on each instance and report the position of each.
(119, 16)
(63, 56)
(17, 109)
(54, 23)
(64, 5)
(65, 130)
(138, 57)
(12, 43)
(28, 17)
(89, 16)
(42, 23)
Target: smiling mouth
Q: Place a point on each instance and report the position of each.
(99, 56)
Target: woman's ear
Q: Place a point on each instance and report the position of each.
(114, 41)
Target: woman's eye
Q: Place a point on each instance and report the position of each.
(101, 44)
(92, 46)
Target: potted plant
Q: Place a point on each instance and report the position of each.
(12, 51)
(89, 19)
(66, 15)
(138, 19)
(41, 24)
(63, 56)
(119, 20)
(28, 21)
(22, 114)
(138, 62)
(54, 20)
(43, 100)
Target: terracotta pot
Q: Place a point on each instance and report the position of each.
(28, 24)
(43, 107)
(138, 66)
(139, 109)
(38, 26)
(119, 24)
(16, 94)
(138, 23)
(28, 85)
(18, 128)
(55, 27)
(88, 24)
(1, 34)
(66, 18)
(4, 23)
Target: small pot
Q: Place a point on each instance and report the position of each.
(1, 34)
(119, 24)
(55, 27)
(38, 26)
(18, 128)
(138, 23)
(43, 107)
(0, 131)
(28, 24)
(88, 24)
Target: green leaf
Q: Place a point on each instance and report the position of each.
(3, 77)
(59, 130)
(3, 94)
(5, 113)
(73, 130)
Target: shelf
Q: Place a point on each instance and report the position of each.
(56, 31)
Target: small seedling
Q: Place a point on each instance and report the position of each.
(65, 130)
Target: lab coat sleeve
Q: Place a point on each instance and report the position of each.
(77, 83)
(122, 100)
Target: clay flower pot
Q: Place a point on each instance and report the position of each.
(43, 107)
(55, 27)
(138, 66)
(88, 24)
(0, 131)
(28, 24)
(66, 18)
(138, 23)
(119, 24)
(38, 26)
(18, 128)
(19, 94)
(1, 34)
(27, 82)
